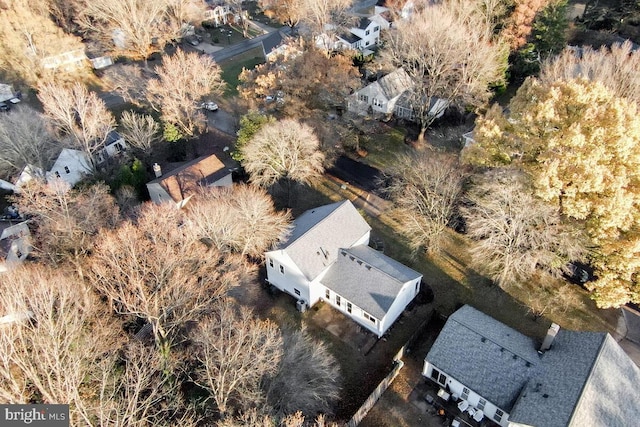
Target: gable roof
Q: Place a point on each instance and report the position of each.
(368, 278)
(363, 23)
(395, 83)
(486, 355)
(586, 380)
(185, 180)
(319, 233)
(349, 37)
(272, 42)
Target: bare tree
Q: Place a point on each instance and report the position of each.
(135, 28)
(306, 379)
(236, 352)
(241, 220)
(129, 81)
(52, 348)
(300, 81)
(450, 57)
(24, 140)
(140, 131)
(79, 115)
(183, 80)
(66, 221)
(156, 269)
(426, 187)
(135, 390)
(517, 234)
(29, 39)
(326, 16)
(287, 12)
(615, 67)
(283, 151)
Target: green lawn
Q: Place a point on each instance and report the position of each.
(232, 68)
(382, 147)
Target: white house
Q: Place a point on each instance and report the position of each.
(71, 166)
(220, 14)
(391, 94)
(327, 258)
(363, 36)
(15, 244)
(380, 96)
(179, 185)
(574, 379)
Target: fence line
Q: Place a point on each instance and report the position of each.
(375, 395)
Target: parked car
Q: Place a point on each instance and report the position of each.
(209, 106)
(192, 40)
(4, 107)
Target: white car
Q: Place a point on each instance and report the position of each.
(209, 106)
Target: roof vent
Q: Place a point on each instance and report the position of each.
(483, 339)
(545, 395)
(515, 357)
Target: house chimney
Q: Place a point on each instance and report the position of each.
(157, 170)
(551, 334)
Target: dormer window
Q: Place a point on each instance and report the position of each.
(66, 169)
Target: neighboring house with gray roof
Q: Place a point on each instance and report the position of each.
(581, 379)
(380, 96)
(391, 94)
(15, 244)
(327, 258)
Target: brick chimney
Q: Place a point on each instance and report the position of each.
(157, 170)
(551, 334)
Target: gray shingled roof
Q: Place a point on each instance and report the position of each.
(395, 83)
(486, 355)
(368, 278)
(319, 233)
(586, 380)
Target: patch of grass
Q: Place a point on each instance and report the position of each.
(383, 147)
(232, 68)
(454, 283)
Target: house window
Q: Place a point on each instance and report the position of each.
(363, 98)
(338, 300)
(465, 393)
(297, 292)
(376, 29)
(366, 44)
(348, 307)
(366, 33)
(442, 379)
(368, 317)
(282, 269)
(417, 286)
(270, 263)
(434, 374)
(119, 147)
(327, 294)
(498, 415)
(57, 174)
(438, 376)
(377, 102)
(66, 169)
(481, 404)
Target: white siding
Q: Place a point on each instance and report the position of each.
(405, 296)
(286, 276)
(356, 314)
(457, 388)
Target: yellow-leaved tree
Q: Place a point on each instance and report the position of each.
(581, 145)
